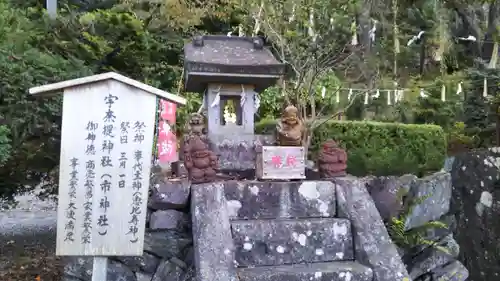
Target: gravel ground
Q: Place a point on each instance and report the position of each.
(27, 241)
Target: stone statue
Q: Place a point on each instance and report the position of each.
(195, 125)
(332, 160)
(200, 162)
(290, 129)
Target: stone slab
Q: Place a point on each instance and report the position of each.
(331, 271)
(438, 187)
(237, 152)
(373, 246)
(385, 193)
(277, 242)
(168, 219)
(213, 250)
(267, 200)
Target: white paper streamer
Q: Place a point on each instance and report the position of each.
(398, 95)
(310, 29)
(377, 94)
(354, 40)
(443, 93)
(389, 97)
(349, 96)
(292, 17)
(243, 96)
(337, 98)
(323, 92)
(485, 87)
(415, 38)
(366, 97)
(422, 93)
(459, 88)
(373, 30)
(257, 102)
(217, 98)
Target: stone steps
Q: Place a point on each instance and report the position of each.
(327, 271)
(270, 200)
(291, 241)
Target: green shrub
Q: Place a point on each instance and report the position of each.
(380, 148)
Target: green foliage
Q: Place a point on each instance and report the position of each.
(34, 123)
(408, 239)
(381, 148)
(458, 140)
(5, 146)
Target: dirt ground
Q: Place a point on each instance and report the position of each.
(34, 263)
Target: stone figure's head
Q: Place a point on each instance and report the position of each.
(290, 115)
(329, 145)
(196, 119)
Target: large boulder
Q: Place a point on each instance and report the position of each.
(475, 204)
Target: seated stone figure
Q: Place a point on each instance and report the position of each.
(200, 162)
(290, 129)
(332, 160)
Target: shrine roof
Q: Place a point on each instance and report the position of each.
(229, 50)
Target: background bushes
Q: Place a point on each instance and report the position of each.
(380, 148)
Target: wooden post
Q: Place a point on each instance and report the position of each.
(104, 169)
(100, 269)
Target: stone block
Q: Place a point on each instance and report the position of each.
(277, 242)
(168, 219)
(166, 244)
(268, 200)
(213, 250)
(331, 271)
(454, 271)
(438, 189)
(372, 245)
(168, 271)
(143, 276)
(427, 261)
(171, 194)
(384, 191)
(146, 263)
(237, 152)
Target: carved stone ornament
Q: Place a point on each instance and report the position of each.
(290, 129)
(332, 160)
(200, 162)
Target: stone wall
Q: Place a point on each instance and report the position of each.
(266, 231)
(168, 246)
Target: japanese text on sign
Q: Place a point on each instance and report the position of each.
(105, 163)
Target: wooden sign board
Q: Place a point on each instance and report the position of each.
(106, 153)
(281, 162)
